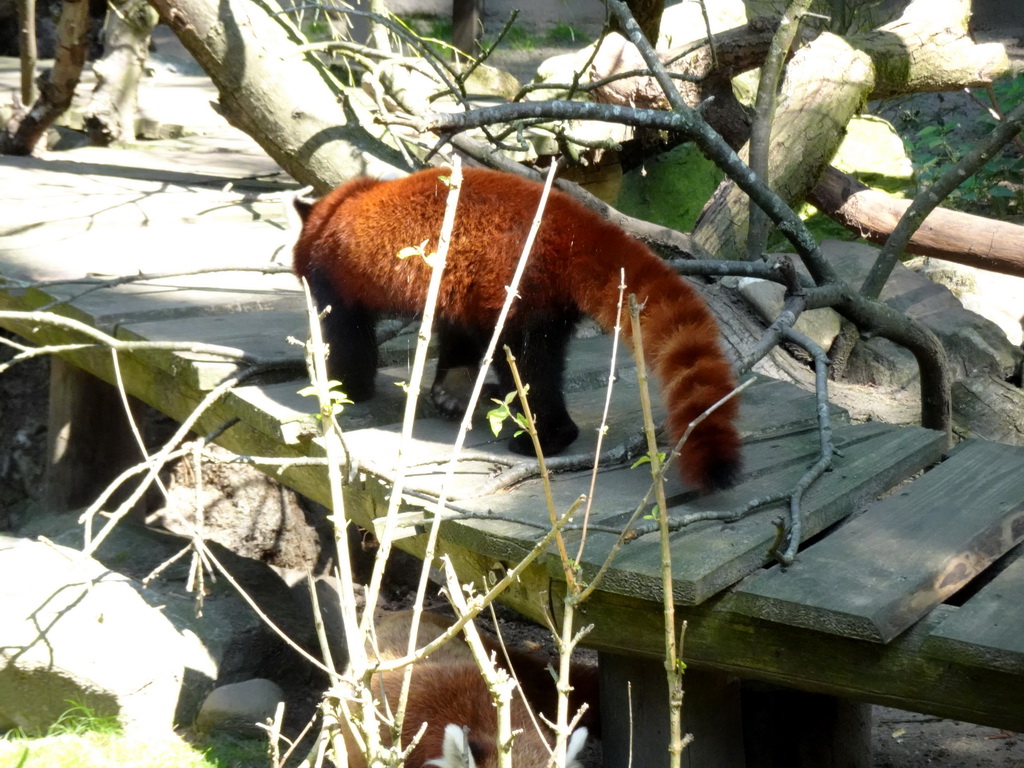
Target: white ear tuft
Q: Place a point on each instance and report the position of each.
(455, 752)
(574, 747)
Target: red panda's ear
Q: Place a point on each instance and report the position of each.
(303, 205)
(455, 752)
(572, 750)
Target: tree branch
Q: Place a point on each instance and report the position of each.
(976, 241)
(929, 198)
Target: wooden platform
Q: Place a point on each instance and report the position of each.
(897, 606)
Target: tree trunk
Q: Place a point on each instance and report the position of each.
(736, 51)
(647, 15)
(468, 25)
(708, 76)
(27, 49)
(111, 114)
(56, 91)
(928, 48)
(289, 103)
(809, 125)
(997, 246)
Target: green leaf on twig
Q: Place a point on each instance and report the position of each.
(504, 410)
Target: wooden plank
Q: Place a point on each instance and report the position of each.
(89, 189)
(89, 439)
(172, 397)
(708, 556)
(775, 409)
(988, 630)
(766, 416)
(261, 334)
(771, 408)
(163, 300)
(278, 409)
(125, 234)
(886, 569)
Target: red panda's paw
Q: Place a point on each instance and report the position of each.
(451, 403)
(555, 437)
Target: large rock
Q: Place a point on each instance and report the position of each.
(239, 708)
(246, 511)
(976, 346)
(144, 631)
(998, 297)
(74, 631)
(670, 189)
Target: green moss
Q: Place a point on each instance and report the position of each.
(670, 189)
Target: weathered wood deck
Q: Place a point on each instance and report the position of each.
(873, 610)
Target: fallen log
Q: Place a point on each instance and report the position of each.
(997, 246)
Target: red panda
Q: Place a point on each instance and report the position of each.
(530, 669)
(448, 693)
(347, 252)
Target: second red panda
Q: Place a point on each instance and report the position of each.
(448, 694)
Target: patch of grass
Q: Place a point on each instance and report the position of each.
(439, 28)
(100, 750)
(519, 39)
(435, 31)
(818, 224)
(78, 718)
(114, 750)
(563, 32)
(81, 739)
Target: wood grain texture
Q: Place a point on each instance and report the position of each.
(709, 556)
(904, 674)
(988, 630)
(886, 569)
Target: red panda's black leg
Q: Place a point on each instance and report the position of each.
(540, 350)
(457, 347)
(349, 330)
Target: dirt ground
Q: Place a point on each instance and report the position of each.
(900, 739)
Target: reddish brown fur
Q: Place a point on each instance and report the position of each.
(530, 668)
(350, 238)
(446, 689)
(456, 693)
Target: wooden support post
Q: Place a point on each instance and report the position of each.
(634, 712)
(796, 729)
(89, 442)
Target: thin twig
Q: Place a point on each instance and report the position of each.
(603, 427)
(764, 115)
(673, 670)
(439, 259)
(335, 452)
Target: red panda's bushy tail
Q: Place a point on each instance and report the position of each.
(681, 347)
